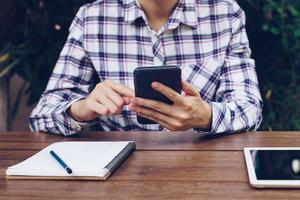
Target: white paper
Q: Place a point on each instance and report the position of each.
(84, 158)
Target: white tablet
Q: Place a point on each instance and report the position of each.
(270, 167)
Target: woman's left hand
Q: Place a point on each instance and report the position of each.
(187, 111)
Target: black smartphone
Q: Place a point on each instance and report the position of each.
(143, 78)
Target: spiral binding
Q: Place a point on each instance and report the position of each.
(117, 161)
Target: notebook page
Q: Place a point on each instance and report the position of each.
(84, 158)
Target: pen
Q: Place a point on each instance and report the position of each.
(61, 162)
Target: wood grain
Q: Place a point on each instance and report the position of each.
(156, 140)
(165, 166)
(166, 190)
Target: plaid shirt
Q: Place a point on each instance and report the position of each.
(110, 38)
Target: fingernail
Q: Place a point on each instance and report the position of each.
(127, 100)
(155, 84)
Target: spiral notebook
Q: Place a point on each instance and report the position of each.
(88, 161)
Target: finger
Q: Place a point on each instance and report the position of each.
(190, 89)
(168, 92)
(126, 100)
(114, 97)
(121, 89)
(154, 105)
(101, 98)
(151, 113)
(99, 108)
(164, 124)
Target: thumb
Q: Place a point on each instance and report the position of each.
(189, 89)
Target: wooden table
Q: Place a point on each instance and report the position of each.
(164, 166)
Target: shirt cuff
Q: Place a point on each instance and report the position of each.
(72, 125)
(219, 120)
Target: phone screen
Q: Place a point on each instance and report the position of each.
(145, 76)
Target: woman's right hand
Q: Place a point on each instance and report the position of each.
(107, 99)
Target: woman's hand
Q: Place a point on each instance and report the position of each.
(188, 111)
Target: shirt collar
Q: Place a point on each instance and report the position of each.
(185, 12)
(132, 11)
(189, 16)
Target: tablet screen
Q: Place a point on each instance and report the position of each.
(276, 164)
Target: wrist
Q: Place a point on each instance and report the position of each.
(75, 111)
(204, 121)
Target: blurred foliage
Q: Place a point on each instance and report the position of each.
(274, 31)
(40, 27)
(36, 34)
